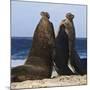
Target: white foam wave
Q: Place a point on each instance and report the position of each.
(18, 62)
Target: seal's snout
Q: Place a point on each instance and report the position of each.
(45, 14)
(69, 16)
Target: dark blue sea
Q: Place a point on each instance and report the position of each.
(20, 47)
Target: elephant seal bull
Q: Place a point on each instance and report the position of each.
(73, 58)
(62, 52)
(39, 61)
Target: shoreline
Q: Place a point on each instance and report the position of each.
(18, 62)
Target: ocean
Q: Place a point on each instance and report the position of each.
(20, 46)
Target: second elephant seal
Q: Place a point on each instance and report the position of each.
(74, 58)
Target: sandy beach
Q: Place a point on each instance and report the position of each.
(56, 80)
(53, 82)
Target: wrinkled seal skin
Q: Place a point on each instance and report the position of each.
(62, 52)
(39, 61)
(73, 56)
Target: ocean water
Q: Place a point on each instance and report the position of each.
(20, 46)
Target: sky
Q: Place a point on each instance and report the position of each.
(26, 15)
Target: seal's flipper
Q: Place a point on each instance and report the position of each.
(76, 62)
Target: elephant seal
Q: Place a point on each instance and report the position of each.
(74, 58)
(39, 61)
(62, 52)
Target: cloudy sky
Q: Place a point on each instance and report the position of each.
(26, 15)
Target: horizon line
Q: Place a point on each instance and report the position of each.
(32, 37)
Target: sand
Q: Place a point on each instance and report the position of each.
(53, 82)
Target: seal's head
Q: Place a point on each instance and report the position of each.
(70, 16)
(45, 14)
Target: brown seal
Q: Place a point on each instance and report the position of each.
(73, 56)
(39, 62)
(62, 52)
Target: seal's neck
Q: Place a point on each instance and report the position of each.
(44, 17)
(70, 20)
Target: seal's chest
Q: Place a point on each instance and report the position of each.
(43, 35)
